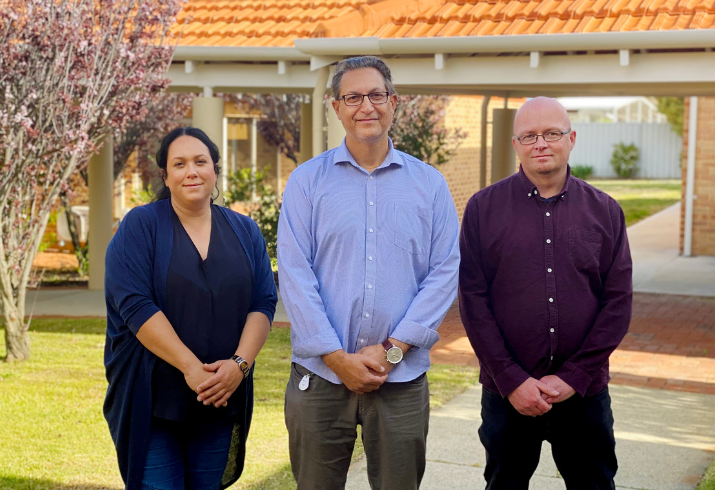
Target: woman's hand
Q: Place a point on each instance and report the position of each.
(196, 374)
(220, 386)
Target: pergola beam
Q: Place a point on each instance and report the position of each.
(688, 73)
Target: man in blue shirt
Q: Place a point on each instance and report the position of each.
(368, 256)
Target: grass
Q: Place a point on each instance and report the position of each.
(641, 198)
(707, 482)
(55, 436)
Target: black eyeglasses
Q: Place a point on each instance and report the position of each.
(357, 99)
(550, 136)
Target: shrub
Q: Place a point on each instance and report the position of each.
(625, 160)
(582, 171)
(264, 210)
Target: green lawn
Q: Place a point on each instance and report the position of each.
(707, 482)
(640, 198)
(55, 437)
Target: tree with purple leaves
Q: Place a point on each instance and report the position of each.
(418, 129)
(73, 71)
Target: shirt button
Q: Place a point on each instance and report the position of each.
(529, 194)
(367, 315)
(371, 177)
(369, 258)
(369, 286)
(551, 300)
(535, 191)
(371, 203)
(548, 240)
(362, 341)
(552, 330)
(548, 214)
(552, 358)
(370, 230)
(548, 270)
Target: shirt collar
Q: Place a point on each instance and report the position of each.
(342, 155)
(532, 191)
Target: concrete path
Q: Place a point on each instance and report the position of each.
(657, 265)
(664, 441)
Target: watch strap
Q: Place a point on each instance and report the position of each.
(387, 345)
(242, 364)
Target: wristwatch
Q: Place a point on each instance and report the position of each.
(242, 364)
(392, 352)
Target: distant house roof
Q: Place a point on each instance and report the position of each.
(278, 23)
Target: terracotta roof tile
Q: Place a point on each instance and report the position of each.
(256, 23)
(279, 22)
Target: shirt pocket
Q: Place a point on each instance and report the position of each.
(413, 229)
(584, 249)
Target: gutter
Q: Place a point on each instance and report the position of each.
(680, 39)
(238, 53)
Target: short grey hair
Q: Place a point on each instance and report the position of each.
(356, 63)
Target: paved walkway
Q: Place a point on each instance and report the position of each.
(657, 265)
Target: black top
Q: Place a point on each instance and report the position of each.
(207, 304)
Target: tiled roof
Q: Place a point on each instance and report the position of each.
(278, 23)
(496, 17)
(254, 22)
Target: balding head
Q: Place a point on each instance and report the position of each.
(540, 108)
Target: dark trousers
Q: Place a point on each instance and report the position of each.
(580, 431)
(322, 428)
(186, 456)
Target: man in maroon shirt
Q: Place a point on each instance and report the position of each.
(545, 296)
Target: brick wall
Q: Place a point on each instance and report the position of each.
(462, 172)
(704, 182)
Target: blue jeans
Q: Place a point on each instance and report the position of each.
(580, 431)
(186, 456)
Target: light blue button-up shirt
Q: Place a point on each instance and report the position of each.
(366, 256)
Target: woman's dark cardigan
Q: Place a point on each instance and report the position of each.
(137, 265)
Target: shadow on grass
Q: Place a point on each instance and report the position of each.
(20, 483)
(93, 326)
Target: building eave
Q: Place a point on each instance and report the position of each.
(675, 39)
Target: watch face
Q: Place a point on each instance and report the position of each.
(394, 355)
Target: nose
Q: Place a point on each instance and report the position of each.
(192, 173)
(366, 108)
(542, 144)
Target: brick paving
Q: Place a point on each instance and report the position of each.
(670, 344)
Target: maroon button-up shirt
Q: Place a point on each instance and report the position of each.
(544, 288)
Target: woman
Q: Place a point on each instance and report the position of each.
(190, 299)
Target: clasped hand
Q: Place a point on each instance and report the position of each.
(214, 383)
(535, 397)
(362, 372)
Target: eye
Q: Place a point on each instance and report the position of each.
(353, 99)
(552, 134)
(528, 137)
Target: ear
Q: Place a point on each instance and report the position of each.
(162, 173)
(514, 143)
(393, 101)
(336, 107)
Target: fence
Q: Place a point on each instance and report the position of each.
(659, 146)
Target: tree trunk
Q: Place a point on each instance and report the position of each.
(17, 338)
